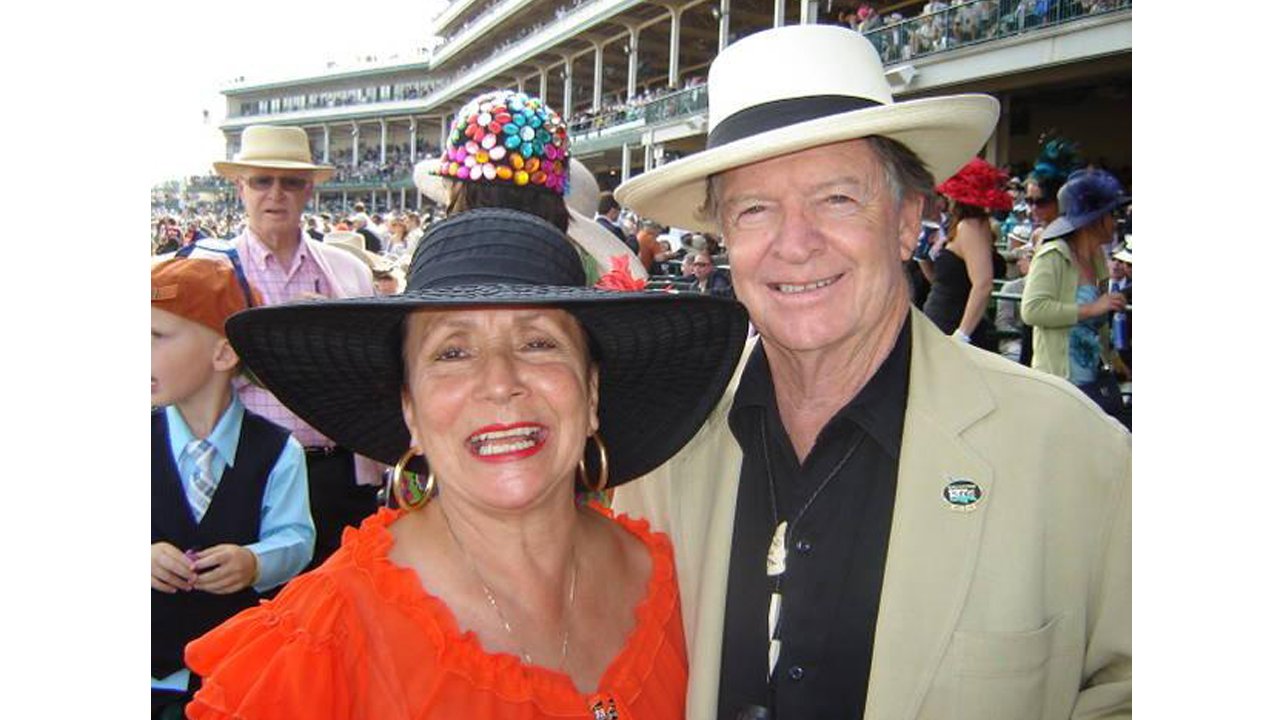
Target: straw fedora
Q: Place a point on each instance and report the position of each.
(797, 87)
(664, 359)
(273, 147)
(353, 242)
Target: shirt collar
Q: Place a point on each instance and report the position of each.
(879, 408)
(225, 437)
(259, 252)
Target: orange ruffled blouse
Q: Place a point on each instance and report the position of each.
(359, 637)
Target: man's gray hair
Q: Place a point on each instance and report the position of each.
(904, 171)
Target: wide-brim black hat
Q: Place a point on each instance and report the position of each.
(664, 359)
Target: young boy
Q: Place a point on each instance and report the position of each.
(230, 516)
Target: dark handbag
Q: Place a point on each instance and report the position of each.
(1105, 390)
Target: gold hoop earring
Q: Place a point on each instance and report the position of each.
(603, 481)
(410, 493)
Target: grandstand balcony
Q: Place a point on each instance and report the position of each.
(627, 74)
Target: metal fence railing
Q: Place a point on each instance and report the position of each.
(979, 21)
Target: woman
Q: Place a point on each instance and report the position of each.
(508, 149)
(963, 271)
(1058, 158)
(498, 596)
(397, 237)
(1062, 300)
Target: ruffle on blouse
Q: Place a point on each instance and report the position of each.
(301, 650)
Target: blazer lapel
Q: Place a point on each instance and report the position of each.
(933, 544)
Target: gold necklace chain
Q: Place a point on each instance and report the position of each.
(497, 609)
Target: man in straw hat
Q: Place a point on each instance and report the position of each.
(855, 536)
(275, 178)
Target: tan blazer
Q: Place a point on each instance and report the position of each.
(1019, 608)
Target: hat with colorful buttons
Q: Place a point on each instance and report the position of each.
(507, 137)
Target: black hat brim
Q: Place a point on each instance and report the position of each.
(664, 359)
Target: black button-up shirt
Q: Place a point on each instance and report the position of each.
(835, 553)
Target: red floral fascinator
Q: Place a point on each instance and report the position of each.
(978, 183)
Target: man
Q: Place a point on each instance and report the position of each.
(707, 278)
(651, 253)
(1121, 281)
(607, 214)
(854, 533)
(275, 178)
(360, 224)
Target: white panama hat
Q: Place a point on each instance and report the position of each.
(798, 87)
(275, 148)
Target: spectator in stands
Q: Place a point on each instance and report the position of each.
(360, 223)
(313, 230)
(397, 237)
(651, 254)
(1062, 300)
(413, 228)
(707, 278)
(1121, 281)
(1058, 158)
(274, 178)
(819, 204)
(963, 270)
(607, 215)
(172, 239)
(379, 227)
(1015, 340)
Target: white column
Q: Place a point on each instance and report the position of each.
(382, 158)
(568, 89)
(355, 145)
(780, 12)
(626, 162)
(326, 143)
(413, 139)
(648, 151)
(402, 204)
(520, 84)
(808, 12)
(388, 200)
(724, 24)
(633, 61)
(444, 131)
(597, 94)
(542, 84)
(673, 69)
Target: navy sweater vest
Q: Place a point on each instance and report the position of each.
(233, 517)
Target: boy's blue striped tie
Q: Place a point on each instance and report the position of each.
(202, 481)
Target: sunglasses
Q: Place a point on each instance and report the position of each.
(1037, 202)
(289, 183)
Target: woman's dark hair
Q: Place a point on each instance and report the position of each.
(962, 211)
(546, 204)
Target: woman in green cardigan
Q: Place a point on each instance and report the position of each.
(1062, 300)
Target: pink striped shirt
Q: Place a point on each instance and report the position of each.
(278, 284)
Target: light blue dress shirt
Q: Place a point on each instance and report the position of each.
(286, 536)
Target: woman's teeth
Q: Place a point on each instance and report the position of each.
(505, 441)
